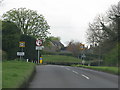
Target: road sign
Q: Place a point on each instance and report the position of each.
(39, 47)
(39, 42)
(83, 62)
(83, 55)
(21, 44)
(20, 53)
(82, 46)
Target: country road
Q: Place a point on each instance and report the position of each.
(55, 76)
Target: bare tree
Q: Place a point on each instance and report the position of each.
(1, 2)
(74, 47)
(104, 31)
(104, 28)
(95, 34)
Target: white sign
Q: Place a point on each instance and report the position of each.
(20, 53)
(39, 47)
(83, 61)
(83, 56)
(38, 42)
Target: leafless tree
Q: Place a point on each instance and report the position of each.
(104, 28)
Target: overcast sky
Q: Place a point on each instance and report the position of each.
(68, 19)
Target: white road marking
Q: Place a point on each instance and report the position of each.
(67, 68)
(75, 72)
(62, 66)
(85, 76)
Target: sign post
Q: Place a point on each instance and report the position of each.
(39, 47)
(20, 53)
(38, 55)
(82, 47)
(21, 45)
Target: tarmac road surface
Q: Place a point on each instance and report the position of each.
(56, 76)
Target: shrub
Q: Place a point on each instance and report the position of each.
(4, 55)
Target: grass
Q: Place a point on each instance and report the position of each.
(15, 73)
(69, 59)
(112, 70)
(0, 75)
(60, 58)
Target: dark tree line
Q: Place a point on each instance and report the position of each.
(10, 39)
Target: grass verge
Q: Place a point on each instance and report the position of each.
(60, 58)
(0, 75)
(112, 70)
(15, 73)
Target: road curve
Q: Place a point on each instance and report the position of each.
(56, 76)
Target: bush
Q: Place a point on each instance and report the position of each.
(56, 53)
(10, 39)
(60, 58)
(111, 58)
(4, 55)
(29, 49)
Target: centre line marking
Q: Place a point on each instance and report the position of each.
(67, 68)
(75, 72)
(85, 76)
